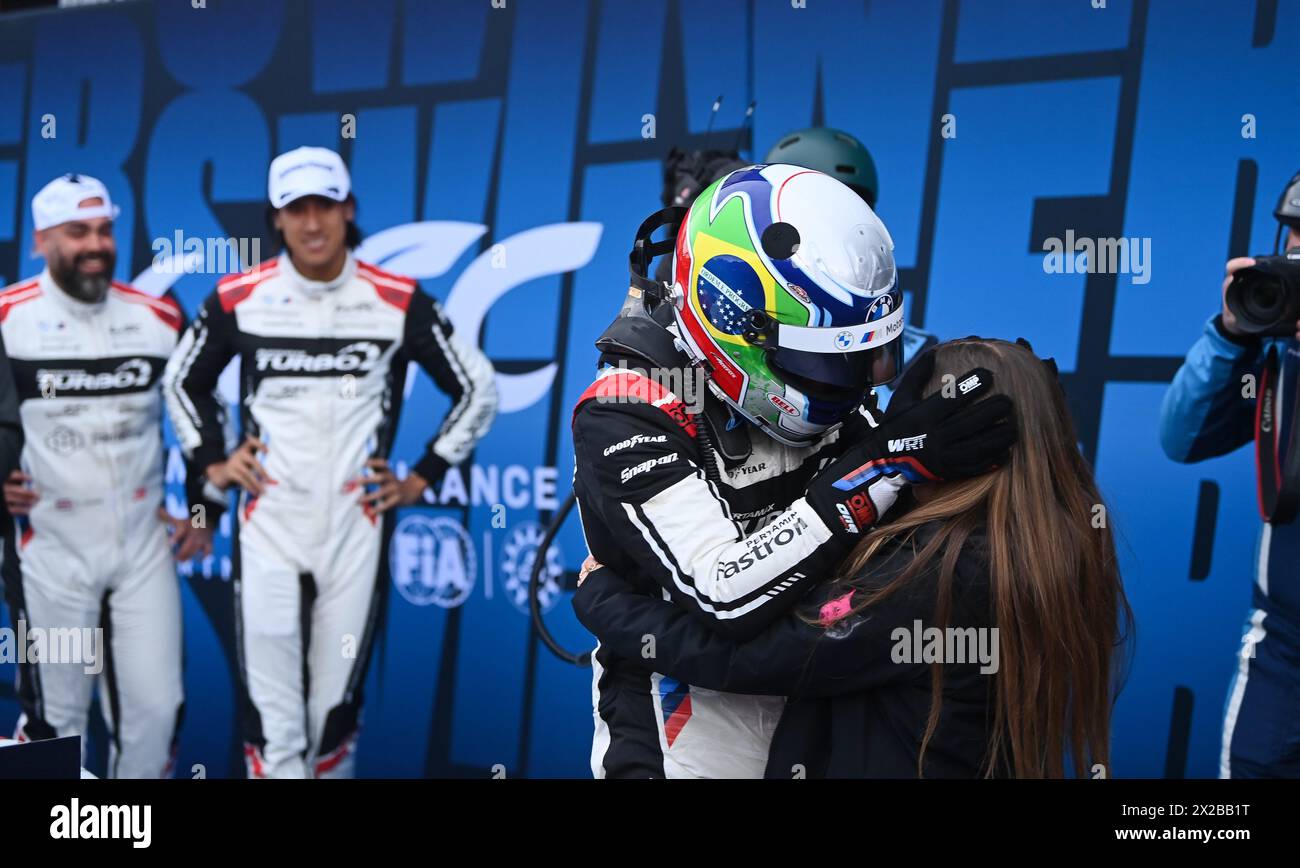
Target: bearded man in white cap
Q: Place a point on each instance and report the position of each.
(93, 560)
(324, 343)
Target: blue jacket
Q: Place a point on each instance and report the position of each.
(1210, 411)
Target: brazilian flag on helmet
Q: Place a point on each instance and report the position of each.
(785, 290)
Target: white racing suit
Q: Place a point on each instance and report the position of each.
(322, 372)
(93, 551)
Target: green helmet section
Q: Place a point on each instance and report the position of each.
(834, 152)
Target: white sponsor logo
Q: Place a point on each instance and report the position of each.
(359, 356)
(846, 518)
(75, 820)
(969, 383)
(762, 544)
(64, 440)
(758, 513)
(520, 557)
(132, 372)
(635, 440)
(907, 444)
(648, 464)
(432, 561)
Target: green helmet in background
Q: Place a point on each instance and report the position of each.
(833, 152)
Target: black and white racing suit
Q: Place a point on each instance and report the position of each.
(322, 371)
(93, 552)
(738, 551)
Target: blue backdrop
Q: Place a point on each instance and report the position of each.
(995, 126)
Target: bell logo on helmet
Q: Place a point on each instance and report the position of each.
(783, 405)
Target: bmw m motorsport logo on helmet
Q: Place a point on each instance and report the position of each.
(786, 293)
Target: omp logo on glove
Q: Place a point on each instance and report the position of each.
(971, 382)
(907, 444)
(629, 472)
(778, 533)
(857, 512)
(635, 440)
(356, 356)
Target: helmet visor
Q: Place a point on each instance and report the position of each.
(837, 377)
(852, 358)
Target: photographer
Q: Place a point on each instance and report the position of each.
(1238, 383)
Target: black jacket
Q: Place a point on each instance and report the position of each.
(858, 705)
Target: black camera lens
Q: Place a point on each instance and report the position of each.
(1263, 301)
(1265, 298)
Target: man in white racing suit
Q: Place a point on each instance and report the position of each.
(90, 546)
(323, 342)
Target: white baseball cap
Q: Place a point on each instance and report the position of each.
(60, 201)
(307, 172)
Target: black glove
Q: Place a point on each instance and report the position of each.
(949, 435)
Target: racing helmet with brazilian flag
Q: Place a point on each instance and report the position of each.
(785, 290)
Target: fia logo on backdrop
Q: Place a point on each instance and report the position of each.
(432, 561)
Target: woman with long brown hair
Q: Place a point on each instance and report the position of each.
(975, 634)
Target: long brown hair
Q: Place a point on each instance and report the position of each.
(1056, 593)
